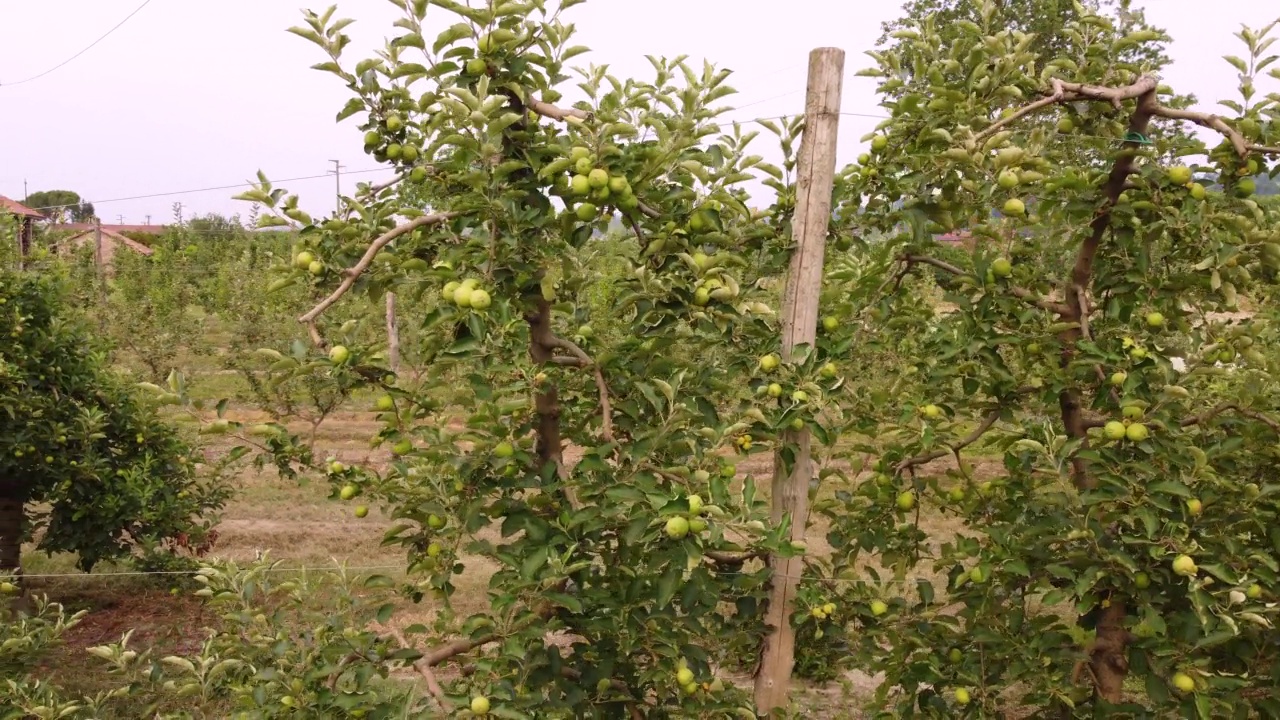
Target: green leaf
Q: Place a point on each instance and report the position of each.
(668, 584)
(385, 612)
(534, 562)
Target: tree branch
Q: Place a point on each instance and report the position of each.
(1068, 92)
(547, 110)
(1021, 293)
(582, 359)
(1213, 122)
(352, 273)
(1227, 407)
(424, 669)
(987, 423)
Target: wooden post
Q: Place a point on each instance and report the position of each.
(97, 245)
(816, 176)
(393, 335)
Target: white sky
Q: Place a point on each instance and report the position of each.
(190, 94)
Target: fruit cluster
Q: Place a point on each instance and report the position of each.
(466, 294)
(591, 185)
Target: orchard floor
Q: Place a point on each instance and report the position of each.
(298, 524)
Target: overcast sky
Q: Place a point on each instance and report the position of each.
(190, 95)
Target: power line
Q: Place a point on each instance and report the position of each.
(206, 189)
(87, 49)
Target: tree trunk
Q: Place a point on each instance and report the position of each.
(1109, 655)
(13, 522)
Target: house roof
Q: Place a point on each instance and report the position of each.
(13, 207)
(114, 237)
(148, 229)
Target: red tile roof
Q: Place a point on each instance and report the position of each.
(149, 229)
(13, 207)
(133, 245)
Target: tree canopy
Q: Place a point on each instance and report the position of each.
(61, 205)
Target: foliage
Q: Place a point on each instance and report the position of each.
(284, 645)
(61, 206)
(74, 436)
(1063, 592)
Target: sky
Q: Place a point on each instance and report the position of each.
(189, 95)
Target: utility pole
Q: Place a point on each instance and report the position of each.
(337, 183)
(148, 219)
(793, 463)
(119, 219)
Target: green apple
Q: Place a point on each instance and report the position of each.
(1118, 378)
(1245, 187)
(619, 185)
(1254, 592)
(477, 66)
(800, 396)
(829, 371)
(878, 608)
(695, 504)
(830, 323)
(1184, 565)
(418, 175)
(451, 287)
(435, 522)
(579, 152)
(956, 494)
(1183, 682)
(1137, 432)
(975, 575)
(1002, 267)
(931, 411)
(863, 159)
(462, 296)
(1013, 207)
(677, 528)
(385, 403)
(1142, 581)
(585, 331)
(480, 299)
(339, 354)
(303, 260)
(504, 450)
(586, 212)
(1138, 353)
(684, 676)
(373, 138)
(480, 705)
(879, 142)
(1197, 191)
(598, 178)
(394, 123)
(1131, 412)
(316, 268)
(955, 656)
(701, 296)
(403, 447)
(434, 549)
(701, 477)
(728, 471)
(1194, 506)
(962, 696)
(583, 166)
(1114, 430)
(1179, 174)
(1008, 180)
(348, 492)
(409, 153)
(362, 511)
(1065, 125)
(769, 363)
(580, 185)
(394, 150)
(1155, 320)
(906, 500)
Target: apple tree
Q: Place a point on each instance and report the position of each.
(87, 463)
(1096, 434)
(595, 476)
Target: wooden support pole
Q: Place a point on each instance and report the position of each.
(393, 335)
(793, 467)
